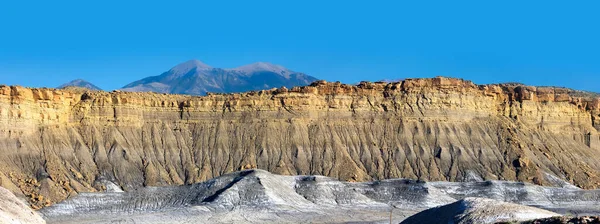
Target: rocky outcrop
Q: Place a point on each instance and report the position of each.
(56, 143)
(566, 220)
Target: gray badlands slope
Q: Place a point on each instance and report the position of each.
(15, 211)
(479, 210)
(257, 196)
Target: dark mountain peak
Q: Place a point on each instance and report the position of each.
(79, 83)
(187, 66)
(263, 67)
(196, 78)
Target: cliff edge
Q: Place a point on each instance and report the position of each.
(56, 143)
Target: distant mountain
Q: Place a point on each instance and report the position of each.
(80, 83)
(196, 78)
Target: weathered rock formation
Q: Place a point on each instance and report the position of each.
(55, 143)
(566, 220)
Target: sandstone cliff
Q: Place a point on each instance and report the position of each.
(55, 143)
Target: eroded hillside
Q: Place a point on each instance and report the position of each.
(55, 143)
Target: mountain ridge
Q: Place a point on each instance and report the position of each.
(79, 83)
(196, 78)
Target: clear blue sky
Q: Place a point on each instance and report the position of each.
(112, 43)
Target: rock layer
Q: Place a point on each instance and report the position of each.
(56, 143)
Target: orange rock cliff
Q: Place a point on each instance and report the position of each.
(57, 143)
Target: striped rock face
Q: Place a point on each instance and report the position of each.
(58, 143)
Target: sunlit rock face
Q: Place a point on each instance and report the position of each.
(58, 143)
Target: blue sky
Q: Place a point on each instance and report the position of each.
(112, 43)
